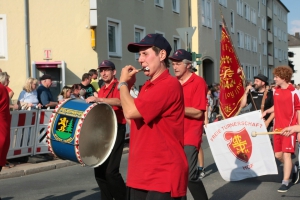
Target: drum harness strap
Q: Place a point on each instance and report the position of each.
(113, 87)
(262, 107)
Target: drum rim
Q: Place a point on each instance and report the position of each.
(77, 133)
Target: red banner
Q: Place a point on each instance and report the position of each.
(231, 78)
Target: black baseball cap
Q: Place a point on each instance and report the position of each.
(180, 55)
(107, 63)
(45, 76)
(262, 78)
(150, 40)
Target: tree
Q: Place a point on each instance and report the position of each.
(70, 126)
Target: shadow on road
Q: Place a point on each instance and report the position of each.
(64, 196)
(235, 189)
(210, 169)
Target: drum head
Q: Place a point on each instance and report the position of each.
(98, 134)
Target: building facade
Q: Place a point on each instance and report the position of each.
(37, 36)
(40, 36)
(258, 30)
(294, 49)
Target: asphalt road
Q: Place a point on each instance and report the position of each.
(76, 182)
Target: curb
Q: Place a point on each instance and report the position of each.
(27, 169)
(33, 168)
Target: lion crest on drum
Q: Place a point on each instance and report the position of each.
(64, 128)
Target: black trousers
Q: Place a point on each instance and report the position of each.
(137, 194)
(107, 175)
(195, 184)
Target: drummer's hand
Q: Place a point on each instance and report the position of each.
(128, 75)
(91, 99)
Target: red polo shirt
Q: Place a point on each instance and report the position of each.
(286, 104)
(195, 91)
(113, 94)
(157, 161)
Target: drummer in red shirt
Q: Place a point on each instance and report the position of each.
(107, 175)
(157, 165)
(195, 102)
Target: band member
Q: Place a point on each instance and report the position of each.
(284, 145)
(157, 165)
(195, 102)
(260, 98)
(107, 175)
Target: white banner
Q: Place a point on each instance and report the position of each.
(237, 154)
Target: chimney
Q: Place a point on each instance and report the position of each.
(297, 35)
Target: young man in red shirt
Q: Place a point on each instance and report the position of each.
(284, 145)
(157, 165)
(195, 102)
(107, 175)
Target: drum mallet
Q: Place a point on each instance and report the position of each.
(254, 133)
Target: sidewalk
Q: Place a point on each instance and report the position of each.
(36, 165)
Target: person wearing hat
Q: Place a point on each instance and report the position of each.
(195, 102)
(44, 94)
(260, 98)
(107, 175)
(157, 165)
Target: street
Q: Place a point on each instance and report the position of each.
(76, 182)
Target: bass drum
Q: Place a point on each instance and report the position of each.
(82, 132)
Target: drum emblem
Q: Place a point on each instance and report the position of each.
(64, 129)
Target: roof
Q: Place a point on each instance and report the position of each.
(293, 40)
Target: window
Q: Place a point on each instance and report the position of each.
(275, 31)
(223, 2)
(139, 34)
(206, 13)
(265, 71)
(254, 44)
(247, 42)
(159, 3)
(259, 35)
(247, 12)
(276, 52)
(264, 23)
(253, 16)
(240, 36)
(279, 34)
(239, 5)
(258, 8)
(3, 38)
(264, 48)
(275, 9)
(264, 2)
(232, 21)
(176, 6)
(176, 43)
(114, 37)
(279, 55)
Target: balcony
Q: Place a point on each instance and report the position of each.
(270, 37)
(269, 13)
(270, 60)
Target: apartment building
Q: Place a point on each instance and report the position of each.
(121, 22)
(258, 30)
(294, 55)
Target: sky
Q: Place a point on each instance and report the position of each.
(293, 16)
